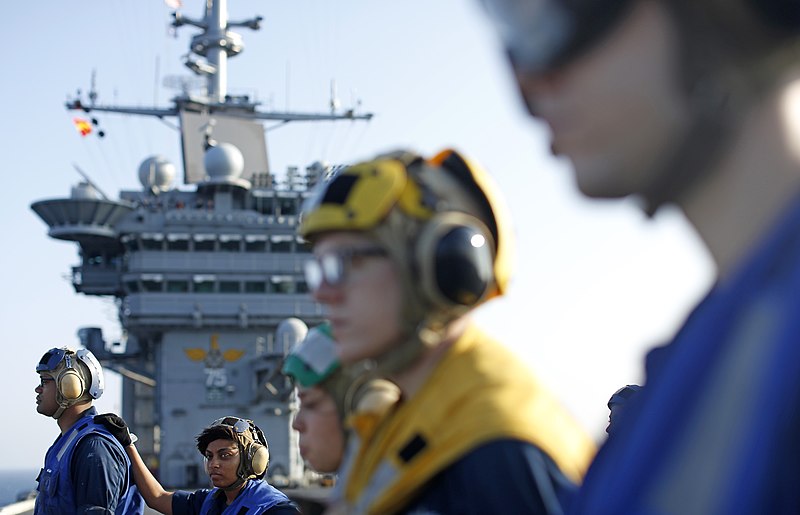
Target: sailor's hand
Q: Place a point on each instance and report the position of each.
(117, 427)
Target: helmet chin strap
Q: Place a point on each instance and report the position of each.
(63, 404)
(59, 411)
(697, 149)
(415, 339)
(235, 485)
(719, 100)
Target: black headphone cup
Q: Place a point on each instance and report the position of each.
(456, 258)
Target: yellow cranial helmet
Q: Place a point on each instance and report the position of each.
(441, 218)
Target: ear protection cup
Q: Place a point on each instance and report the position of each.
(454, 255)
(259, 460)
(257, 452)
(371, 395)
(69, 383)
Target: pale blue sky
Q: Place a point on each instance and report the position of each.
(596, 282)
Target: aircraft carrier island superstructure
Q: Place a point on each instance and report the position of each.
(207, 277)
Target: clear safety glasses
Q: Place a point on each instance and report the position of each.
(332, 267)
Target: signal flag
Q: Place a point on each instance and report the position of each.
(83, 126)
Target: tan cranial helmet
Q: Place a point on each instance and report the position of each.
(439, 219)
(78, 376)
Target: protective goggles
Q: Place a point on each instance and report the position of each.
(543, 35)
(51, 359)
(314, 360)
(239, 425)
(332, 267)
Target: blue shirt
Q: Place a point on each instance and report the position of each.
(191, 503)
(98, 474)
(716, 428)
(97, 470)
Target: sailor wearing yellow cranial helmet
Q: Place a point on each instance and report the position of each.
(442, 225)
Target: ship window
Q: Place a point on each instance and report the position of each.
(281, 246)
(178, 245)
(177, 242)
(204, 242)
(204, 286)
(255, 287)
(265, 205)
(287, 206)
(255, 243)
(204, 283)
(132, 286)
(228, 244)
(255, 246)
(229, 287)
(132, 244)
(281, 243)
(151, 244)
(177, 286)
(303, 245)
(283, 284)
(152, 285)
(301, 287)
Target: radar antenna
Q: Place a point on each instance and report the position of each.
(90, 181)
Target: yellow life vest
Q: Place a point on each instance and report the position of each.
(478, 393)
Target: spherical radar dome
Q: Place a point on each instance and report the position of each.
(156, 173)
(223, 160)
(290, 332)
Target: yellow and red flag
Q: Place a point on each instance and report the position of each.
(83, 126)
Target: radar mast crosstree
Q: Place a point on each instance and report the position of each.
(211, 50)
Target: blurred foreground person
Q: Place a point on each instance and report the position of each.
(317, 375)
(404, 248)
(329, 395)
(236, 458)
(85, 470)
(694, 103)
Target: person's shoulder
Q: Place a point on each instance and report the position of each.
(499, 476)
(523, 461)
(188, 503)
(507, 452)
(99, 446)
(278, 502)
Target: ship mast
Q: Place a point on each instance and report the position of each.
(208, 280)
